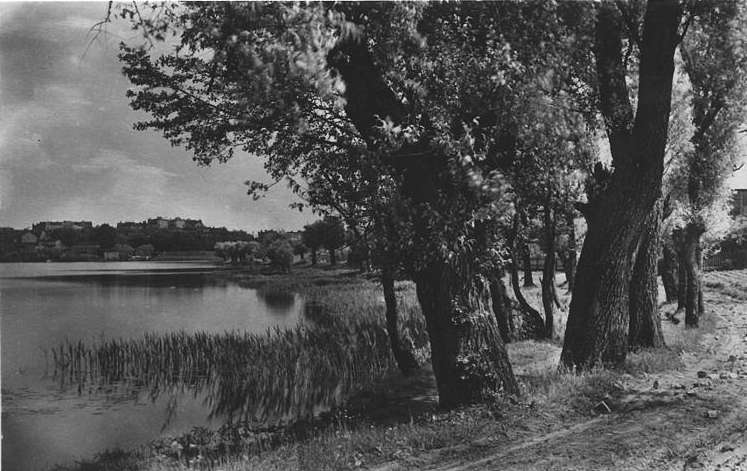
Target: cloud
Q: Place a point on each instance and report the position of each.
(67, 147)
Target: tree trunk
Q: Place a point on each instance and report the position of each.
(526, 260)
(548, 272)
(569, 266)
(533, 327)
(701, 306)
(402, 355)
(645, 321)
(468, 356)
(332, 258)
(692, 234)
(678, 236)
(313, 256)
(597, 328)
(669, 275)
(501, 305)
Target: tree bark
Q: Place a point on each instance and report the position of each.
(669, 275)
(313, 256)
(501, 305)
(569, 266)
(645, 321)
(693, 302)
(468, 356)
(597, 329)
(678, 237)
(405, 358)
(526, 260)
(548, 271)
(533, 326)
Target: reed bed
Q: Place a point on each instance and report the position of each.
(279, 376)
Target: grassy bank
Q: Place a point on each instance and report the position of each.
(281, 376)
(377, 417)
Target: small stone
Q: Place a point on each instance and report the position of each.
(678, 386)
(691, 393)
(726, 448)
(732, 358)
(702, 374)
(711, 414)
(723, 375)
(656, 384)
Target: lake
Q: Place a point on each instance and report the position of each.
(44, 304)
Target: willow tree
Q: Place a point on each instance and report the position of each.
(715, 58)
(598, 320)
(416, 91)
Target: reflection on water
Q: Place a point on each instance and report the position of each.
(278, 301)
(44, 419)
(261, 378)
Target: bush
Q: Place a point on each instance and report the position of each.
(280, 254)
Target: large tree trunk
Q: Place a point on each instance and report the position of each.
(597, 329)
(548, 272)
(669, 275)
(468, 355)
(645, 322)
(693, 302)
(501, 305)
(469, 358)
(404, 357)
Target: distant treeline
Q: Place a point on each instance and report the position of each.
(84, 241)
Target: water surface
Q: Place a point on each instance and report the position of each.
(43, 304)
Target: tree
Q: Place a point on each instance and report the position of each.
(598, 319)
(415, 92)
(312, 237)
(715, 60)
(333, 236)
(105, 236)
(300, 249)
(280, 254)
(67, 236)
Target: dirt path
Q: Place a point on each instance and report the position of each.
(691, 418)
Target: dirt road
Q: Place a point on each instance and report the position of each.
(694, 417)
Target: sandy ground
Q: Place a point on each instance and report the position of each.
(694, 417)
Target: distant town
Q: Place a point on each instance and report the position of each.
(154, 239)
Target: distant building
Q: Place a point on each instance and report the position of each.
(111, 256)
(294, 236)
(194, 224)
(129, 226)
(28, 238)
(55, 225)
(158, 223)
(178, 223)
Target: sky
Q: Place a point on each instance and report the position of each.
(67, 147)
(68, 150)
